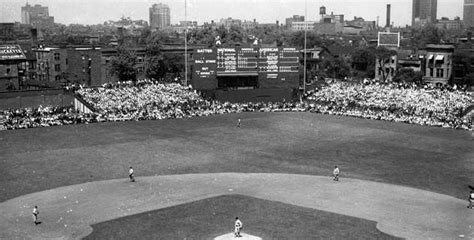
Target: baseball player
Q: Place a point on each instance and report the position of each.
(336, 173)
(130, 174)
(471, 199)
(35, 215)
(238, 227)
(238, 123)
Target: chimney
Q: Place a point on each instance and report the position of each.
(388, 16)
(34, 35)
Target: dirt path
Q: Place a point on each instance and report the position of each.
(68, 212)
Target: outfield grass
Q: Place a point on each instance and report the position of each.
(435, 159)
(212, 217)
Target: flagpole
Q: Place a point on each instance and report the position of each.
(304, 52)
(185, 43)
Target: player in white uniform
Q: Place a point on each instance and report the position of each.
(336, 173)
(471, 199)
(238, 123)
(130, 174)
(35, 215)
(238, 227)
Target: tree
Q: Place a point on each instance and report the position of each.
(154, 65)
(335, 67)
(429, 34)
(123, 66)
(408, 75)
(363, 62)
(383, 58)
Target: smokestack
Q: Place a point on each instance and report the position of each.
(388, 16)
(34, 35)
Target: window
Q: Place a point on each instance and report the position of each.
(57, 67)
(8, 70)
(431, 72)
(66, 61)
(57, 77)
(439, 72)
(56, 56)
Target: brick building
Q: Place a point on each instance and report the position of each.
(84, 66)
(10, 57)
(51, 66)
(160, 16)
(439, 64)
(36, 16)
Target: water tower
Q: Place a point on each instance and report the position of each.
(322, 11)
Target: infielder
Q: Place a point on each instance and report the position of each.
(35, 215)
(471, 199)
(130, 174)
(336, 173)
(238, 227)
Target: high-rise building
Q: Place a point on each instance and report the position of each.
(37, 16)
(159, 16)
(424, 12)
(468, 13)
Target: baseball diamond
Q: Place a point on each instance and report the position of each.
(275, 172)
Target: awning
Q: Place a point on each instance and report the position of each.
(439, 57)
(430, 57)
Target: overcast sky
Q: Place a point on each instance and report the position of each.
(264, 11)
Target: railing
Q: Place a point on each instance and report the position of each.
(82, 105)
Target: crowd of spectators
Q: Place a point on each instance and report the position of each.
(145, 100)
(41, 117)
(400, 103)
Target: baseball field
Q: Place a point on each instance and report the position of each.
(194, 176)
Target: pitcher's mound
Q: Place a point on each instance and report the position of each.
(245, 236)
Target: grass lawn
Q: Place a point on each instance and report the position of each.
(435, 159)
(212, 217)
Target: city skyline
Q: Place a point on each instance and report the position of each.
(264, 11)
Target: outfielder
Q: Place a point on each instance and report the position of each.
(336, 173)
(35, 215)
(130, 174)
(238, 227)
(471, 199)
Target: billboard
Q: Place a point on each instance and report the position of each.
(11, 52)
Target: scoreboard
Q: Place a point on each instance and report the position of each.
(271, 67)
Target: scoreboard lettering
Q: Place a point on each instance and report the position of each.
(274, 67)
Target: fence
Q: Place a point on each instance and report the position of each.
(34, 101)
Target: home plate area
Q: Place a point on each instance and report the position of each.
(244, 236)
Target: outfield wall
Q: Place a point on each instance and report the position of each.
(251, 95)
(34, 99)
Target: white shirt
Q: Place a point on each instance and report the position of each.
(238, 223)
(35, 211)
(336, 171)
(130, 171)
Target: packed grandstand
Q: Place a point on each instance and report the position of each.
(148, 100)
